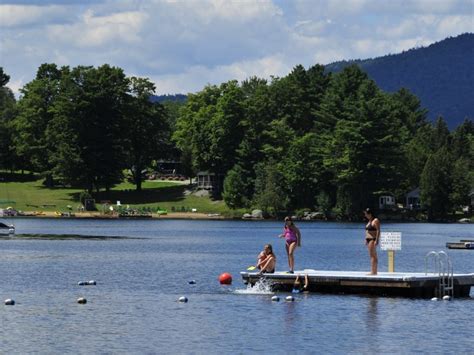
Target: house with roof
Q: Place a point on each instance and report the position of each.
(387, 202)
(412, 199)
(210, 181)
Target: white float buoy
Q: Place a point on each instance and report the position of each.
(91, 282)
(9, 302)
(289, 298)
(276, 299)
(81, 300)
(447, 298)
(183, 299)
(192, 282)
(434, 299)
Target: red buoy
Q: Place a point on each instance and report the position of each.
(225, 278)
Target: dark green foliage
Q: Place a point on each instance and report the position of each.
(270, 192)
(297, 97)
(312, 140)
(302, 169)
(436, 184)
(364, 150)
(191, 134)
(88, 128)
(147, 132)
(235, 187)
(4, 78)
(8, 159)
(83, 127)
(462, 150)
(35, 113)
(462, 176)
(209, 127)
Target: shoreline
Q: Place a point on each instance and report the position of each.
(99, 215)
(194, 216)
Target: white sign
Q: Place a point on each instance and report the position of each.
(391, 241)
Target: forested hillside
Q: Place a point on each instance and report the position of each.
(440, 75)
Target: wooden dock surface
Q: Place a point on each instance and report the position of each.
(405, 284)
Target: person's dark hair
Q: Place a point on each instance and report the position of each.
(269, 246)
(288, 219)
(369, 211)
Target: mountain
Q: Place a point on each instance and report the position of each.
(166, 98)
(441, 75)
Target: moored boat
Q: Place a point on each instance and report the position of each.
(7, 229)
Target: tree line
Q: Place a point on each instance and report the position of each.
(83, 126)
(334, 142)
(309, 140)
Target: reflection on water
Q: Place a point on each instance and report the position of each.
(133, 307)
(372, 323)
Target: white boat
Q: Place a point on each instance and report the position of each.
(7, 229)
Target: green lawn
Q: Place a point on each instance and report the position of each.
(33, 196)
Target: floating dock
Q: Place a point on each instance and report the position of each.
(463, 244)
(401, 284)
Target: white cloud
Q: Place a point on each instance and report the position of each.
(16, 85)
(313, 27)
(241, 11)
(21, 15)
(196, 77)
(403, 29)
(456, 24)
(93, 31)
(185, 44)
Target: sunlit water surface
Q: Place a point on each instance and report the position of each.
(134, 309)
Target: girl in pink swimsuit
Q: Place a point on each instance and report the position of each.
(292, 236)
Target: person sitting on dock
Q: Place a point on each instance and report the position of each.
(372, 235)
(266, 260)
(292, 236)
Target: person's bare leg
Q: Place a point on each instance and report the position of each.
(291, 258)
(288, 255)
(373, 257)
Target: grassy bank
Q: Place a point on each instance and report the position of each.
(172, 196)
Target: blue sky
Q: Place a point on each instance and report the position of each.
(184, 45)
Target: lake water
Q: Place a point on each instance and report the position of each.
(134, 309)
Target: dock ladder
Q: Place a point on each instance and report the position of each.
(444, 268)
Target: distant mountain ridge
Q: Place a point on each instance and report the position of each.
(166, 98)
(441, 75)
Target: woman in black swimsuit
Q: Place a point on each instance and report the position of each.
(372, 235)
